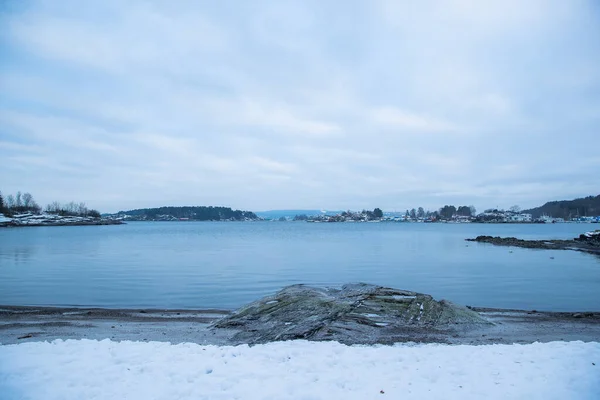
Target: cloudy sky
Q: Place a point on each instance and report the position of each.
(309, 104)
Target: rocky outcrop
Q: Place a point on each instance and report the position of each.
(591, 238)
(53, 220)
(588, 242)
(356, 313)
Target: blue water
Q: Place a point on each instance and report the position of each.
(224, 265)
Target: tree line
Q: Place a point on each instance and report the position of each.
(581, 207)
(445, 212)
(197, 213)
(21, 203)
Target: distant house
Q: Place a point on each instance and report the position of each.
(520, 218)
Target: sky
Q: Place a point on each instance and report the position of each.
(300, 104)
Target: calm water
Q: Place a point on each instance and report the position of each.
(224, 265)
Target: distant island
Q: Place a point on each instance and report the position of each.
(22, 210)
(186, 213)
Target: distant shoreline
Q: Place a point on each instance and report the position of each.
(98, 223)
(38, 220)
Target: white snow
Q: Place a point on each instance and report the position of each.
(86, 369)
(403, 297)
(592, 234)
(37, 219)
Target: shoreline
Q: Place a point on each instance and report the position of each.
(98, 223)
(19, 324)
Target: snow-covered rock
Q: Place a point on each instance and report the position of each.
(4, 220)
(52, 220)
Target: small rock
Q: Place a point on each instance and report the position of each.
(578, 315)
(113, 327)
(381, 391)
(143, 311)
(25, 336)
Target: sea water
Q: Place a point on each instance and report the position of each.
(227, 264)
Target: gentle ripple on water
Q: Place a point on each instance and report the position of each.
(224, 265)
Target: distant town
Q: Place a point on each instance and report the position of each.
(448, 216)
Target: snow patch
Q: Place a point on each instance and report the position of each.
(368, 315)
(88, 369)
(403, 297)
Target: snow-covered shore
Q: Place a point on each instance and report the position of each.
(45, 219)
(87, 369)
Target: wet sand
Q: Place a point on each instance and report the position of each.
(26, 324)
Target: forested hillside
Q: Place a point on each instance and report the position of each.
(196, 213)
(583, 207)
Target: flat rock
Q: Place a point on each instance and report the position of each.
(355, 314)
(588, 242)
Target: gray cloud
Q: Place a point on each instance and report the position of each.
(301, 104)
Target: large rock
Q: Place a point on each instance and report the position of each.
(358, 313)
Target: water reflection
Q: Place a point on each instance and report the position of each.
(21, 254)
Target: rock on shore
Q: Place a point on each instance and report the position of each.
(587, 242)
(358, 313)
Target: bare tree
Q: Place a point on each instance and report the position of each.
(10, 201)
(515, 209)
(473, 210)
(53, 208)
(420, 212)
(27, 200)
(19, 200)
(81, 209)
(29, 203)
